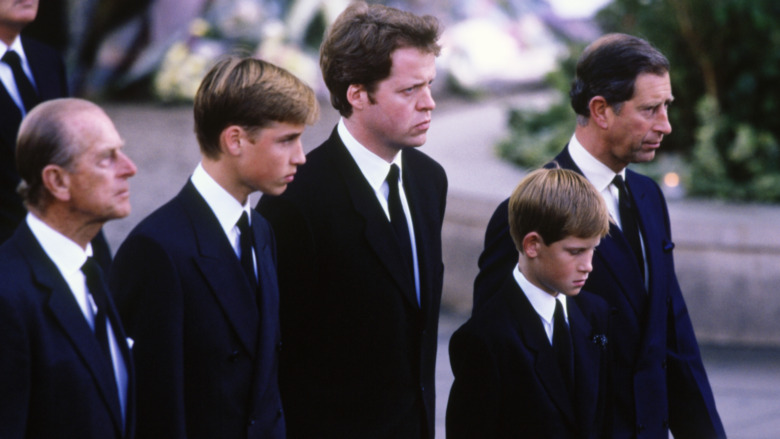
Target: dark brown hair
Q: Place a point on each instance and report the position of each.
(609, 66)
(357, 48)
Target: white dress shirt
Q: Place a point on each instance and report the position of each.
(225, 207)
(542, 301)
(375, 170)
(7, 75)
(68, 257)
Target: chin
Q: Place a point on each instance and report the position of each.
(277, 190)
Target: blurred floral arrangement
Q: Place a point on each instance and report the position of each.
(245, 27)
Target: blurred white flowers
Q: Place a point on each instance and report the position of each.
(243, 27)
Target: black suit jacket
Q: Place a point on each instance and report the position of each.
(660, 381)
(359, 353)
(54, 379)
(206, 351)
(49, 73)
(507, 381)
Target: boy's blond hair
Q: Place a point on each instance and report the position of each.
(250, 93)
(556, 203)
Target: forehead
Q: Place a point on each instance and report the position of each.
(652, 87)
(411, 63)
(92, 129)
(577, 242)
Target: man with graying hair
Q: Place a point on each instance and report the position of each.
(65, 364)
(621, 95)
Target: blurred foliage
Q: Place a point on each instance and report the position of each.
(537, 136)
(725, 58)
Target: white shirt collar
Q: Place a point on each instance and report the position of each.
(543, 302)
(16, 46)
(226, 208)
(373, 167)
(64, 252)
(596, 172)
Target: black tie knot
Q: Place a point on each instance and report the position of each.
(620, 184)
(23, 85)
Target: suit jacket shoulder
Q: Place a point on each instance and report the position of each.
(193, 313)
(507, 382)
(45, 340)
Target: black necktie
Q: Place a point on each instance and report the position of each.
(628, 221)
(562, 346)
(23, 84)
(247, 242)
(397, 216)
(98, 290)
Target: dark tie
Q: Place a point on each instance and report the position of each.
(562, 346)
(98, 290)
(23, 84)
(628, 221)
(247, 242)
(398, 218)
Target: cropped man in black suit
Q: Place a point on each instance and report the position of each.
(196, 280)
(360, 264)
(44, 71)
(621, 95)
(533, 363)
(65, 364)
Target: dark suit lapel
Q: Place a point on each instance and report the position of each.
(420, 203)
(221, 268)
(49, 79)
(11, 119)
(587, 359)
(612, 252)
(655, 243)
(378, 231)
(268, 297)
(122, 343)
(68, 315)
(529, 326)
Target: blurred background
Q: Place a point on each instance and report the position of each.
(501, 90)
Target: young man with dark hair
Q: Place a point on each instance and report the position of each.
(359, 232)
(196, 280)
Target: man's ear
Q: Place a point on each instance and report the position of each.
(600, 111)
(232, 140)
(531, 243)
(57, 182)
(357, 96)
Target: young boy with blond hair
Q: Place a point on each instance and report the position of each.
(533, 361)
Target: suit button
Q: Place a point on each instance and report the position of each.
(663, 365)
(279, 413)
(640, 428)
(251, 422)
(233, 358)
(279, 347)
